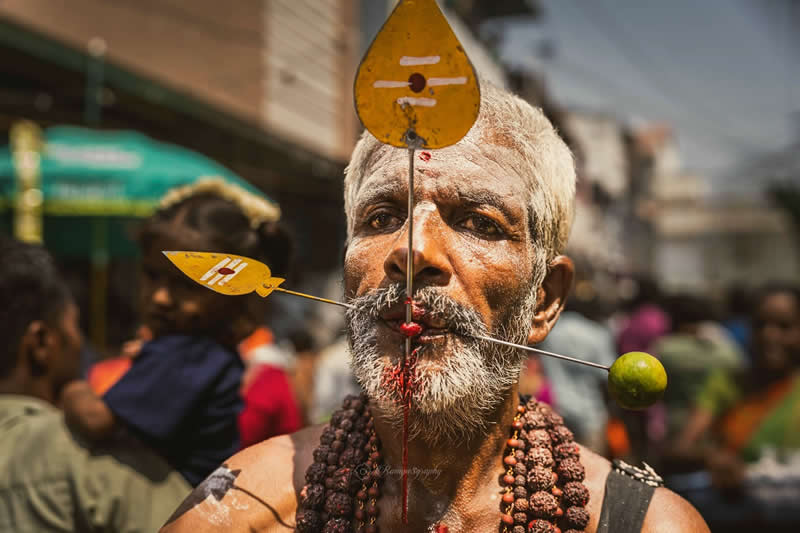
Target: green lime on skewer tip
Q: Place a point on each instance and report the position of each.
(637, 380)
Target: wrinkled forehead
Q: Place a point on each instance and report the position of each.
(465, 169)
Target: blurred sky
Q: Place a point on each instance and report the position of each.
(724, 73)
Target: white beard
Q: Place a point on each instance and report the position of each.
(455, 391)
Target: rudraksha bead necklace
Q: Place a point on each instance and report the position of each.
(543, 489)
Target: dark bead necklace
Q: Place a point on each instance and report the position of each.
(543, 489)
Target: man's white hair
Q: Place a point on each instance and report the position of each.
(517, 136)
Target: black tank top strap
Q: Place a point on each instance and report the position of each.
(628, 493)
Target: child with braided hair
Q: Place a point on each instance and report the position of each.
(181, 395)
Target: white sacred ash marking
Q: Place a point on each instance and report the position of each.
(410, 100)
(433, 82)
(410, 61)
(222, 279)
(430, 82)
(388, 84)
(215, 268)
(229, 277)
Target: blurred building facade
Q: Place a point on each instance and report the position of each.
(262, 87)
(707, 244)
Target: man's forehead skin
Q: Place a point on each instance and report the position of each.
(469, 178)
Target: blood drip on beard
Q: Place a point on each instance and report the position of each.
(402, 379)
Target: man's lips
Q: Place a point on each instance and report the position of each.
(419, 315)
(415, 330)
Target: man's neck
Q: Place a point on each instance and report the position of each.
(445, 477)
(18, 384)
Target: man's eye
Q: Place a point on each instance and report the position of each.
(481, 225)
(382, 220)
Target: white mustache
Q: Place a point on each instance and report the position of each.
(458, 318)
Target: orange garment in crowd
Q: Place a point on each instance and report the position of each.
(104, 374)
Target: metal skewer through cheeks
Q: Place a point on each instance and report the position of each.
(481, 337)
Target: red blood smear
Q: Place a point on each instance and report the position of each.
(410, 329)
(405, 462)
(402, 379)
(408, 382)
(425, 156)
(225, 271)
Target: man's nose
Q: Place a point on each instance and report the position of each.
(431, 263)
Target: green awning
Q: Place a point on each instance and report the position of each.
(109, 173)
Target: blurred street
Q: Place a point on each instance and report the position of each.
(683, 119)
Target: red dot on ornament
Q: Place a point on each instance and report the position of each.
(416, 82)
(225, 271)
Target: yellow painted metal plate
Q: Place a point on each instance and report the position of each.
(226, 273)
(416, 76)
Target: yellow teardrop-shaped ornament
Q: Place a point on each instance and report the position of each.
(226, 273)
(417, 78)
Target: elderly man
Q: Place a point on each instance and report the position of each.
(51, 479)
(492, 215)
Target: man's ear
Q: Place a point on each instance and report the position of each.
(35, 347)
(551, 297)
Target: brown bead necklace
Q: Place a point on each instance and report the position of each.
(543, 489)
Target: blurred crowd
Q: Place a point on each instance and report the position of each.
(726, 434)
(117, 441)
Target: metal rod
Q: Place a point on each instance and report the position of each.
(410, 254)
(317, 298)
(543, 352)
(410, 258)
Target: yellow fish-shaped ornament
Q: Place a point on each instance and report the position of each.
(226, 273)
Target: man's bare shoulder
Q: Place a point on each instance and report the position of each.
(597, 469)
(255, 490)
(278, 463)
(669, 513)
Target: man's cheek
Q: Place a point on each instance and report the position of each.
(362, 270)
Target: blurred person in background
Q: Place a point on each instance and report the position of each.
(745, 427)
(51, 479)
(578, 390)
(696, 346)
(271, 406)
(737, 320)
(302, 374)
(333, 377)
(533, 381)
(648, 320)
(181, 395)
